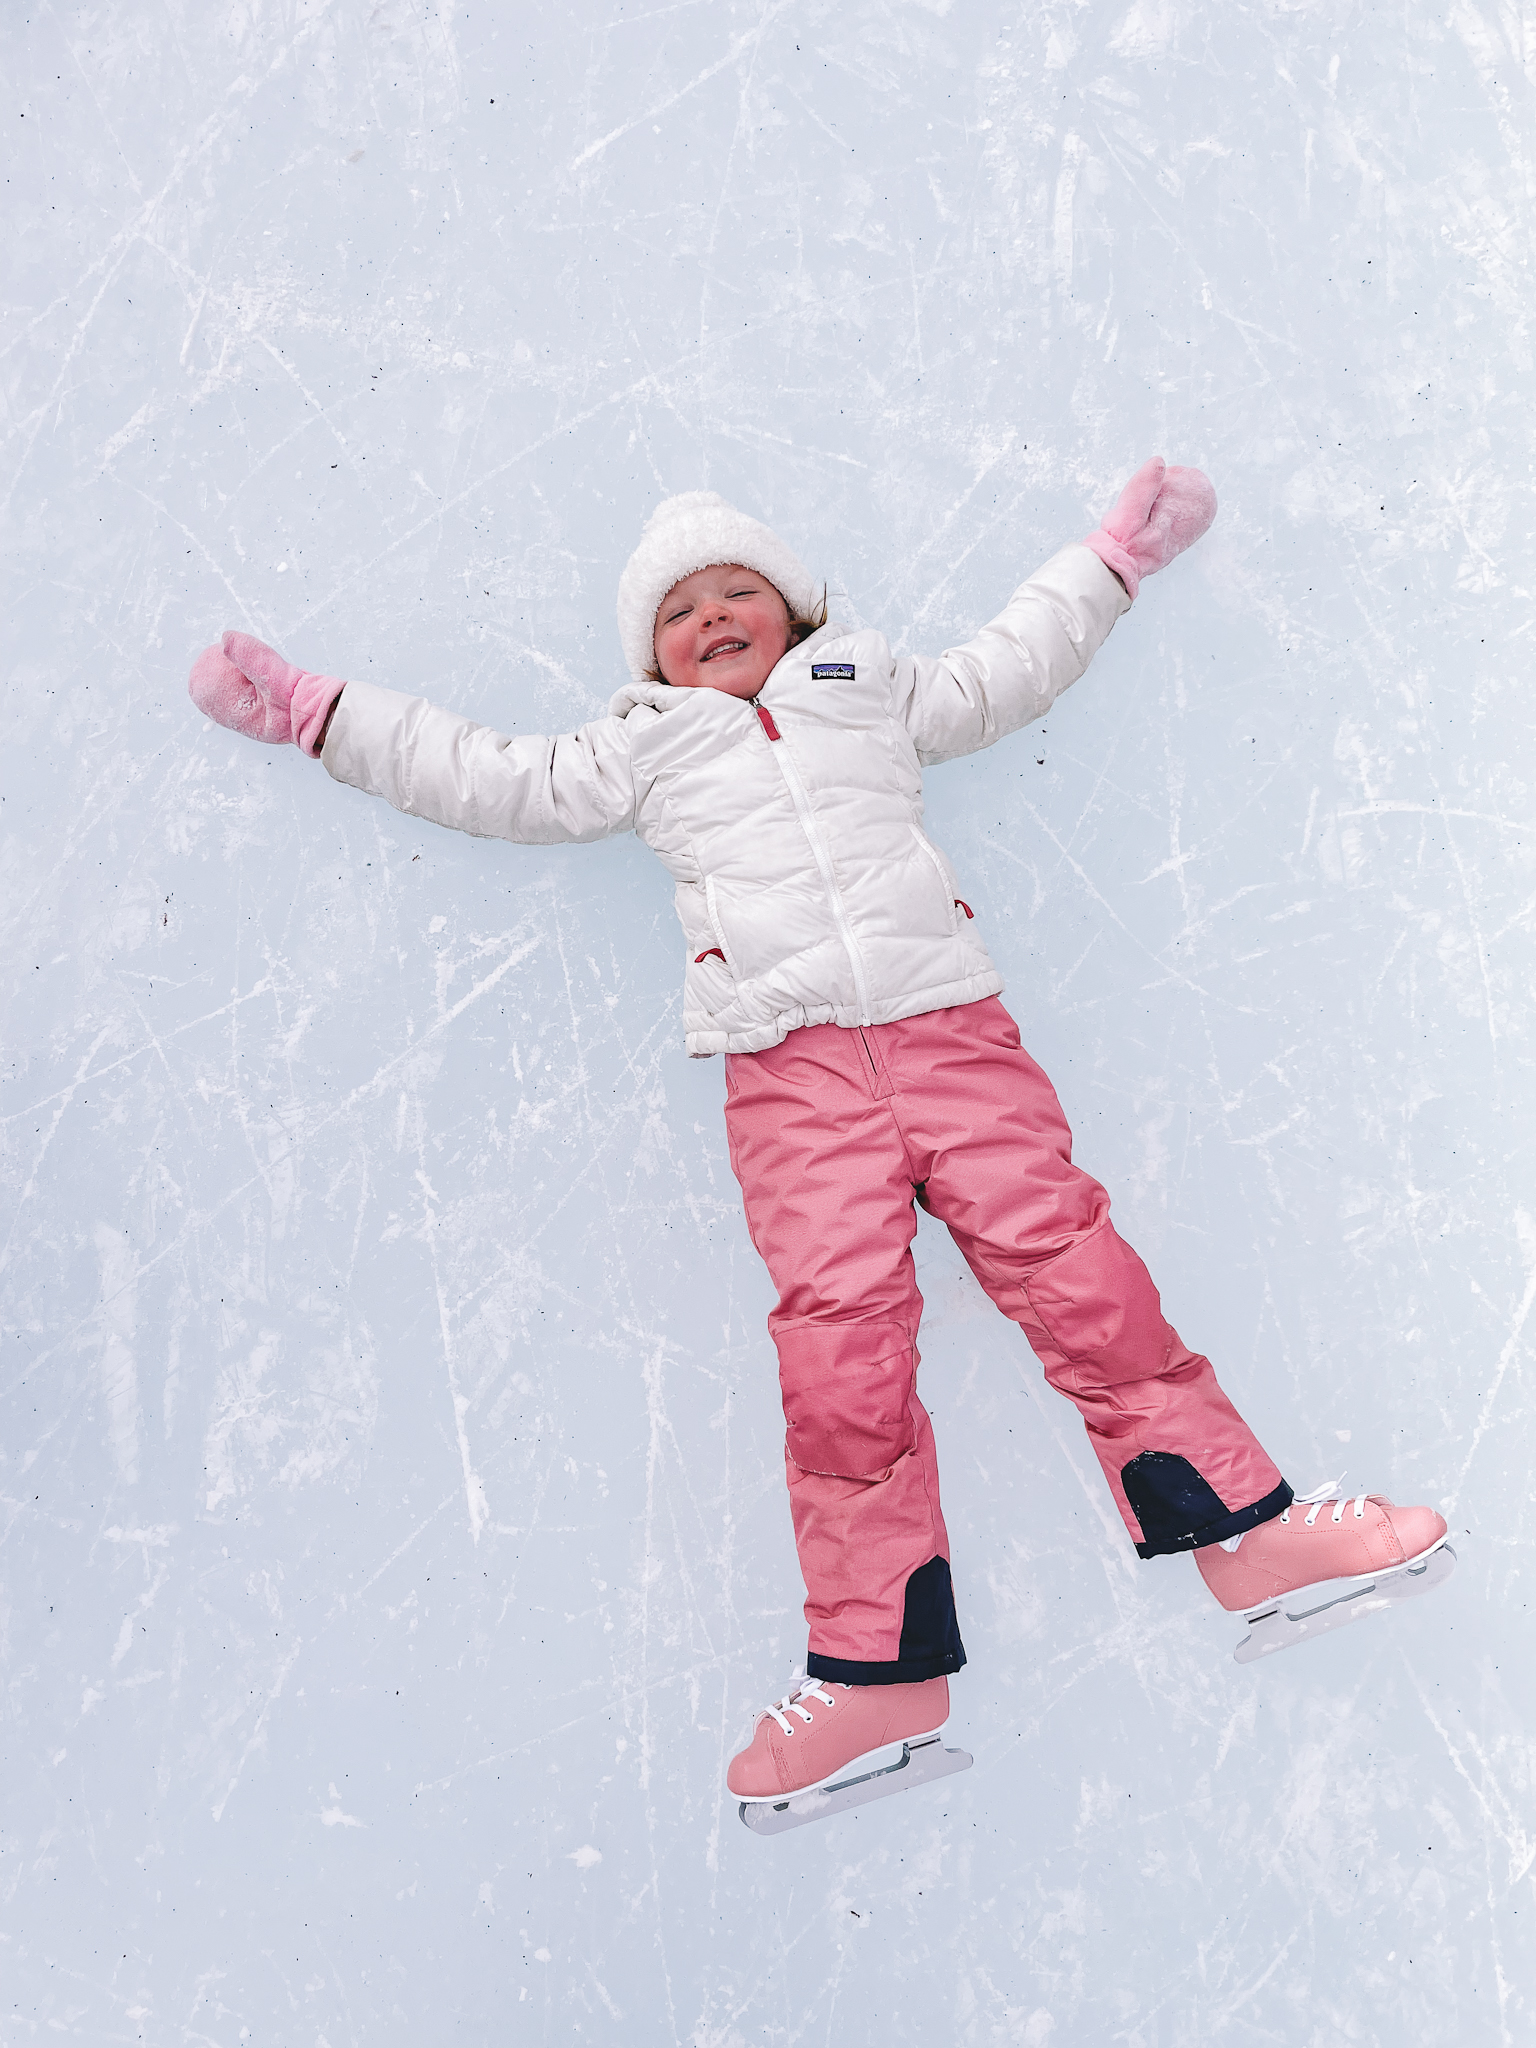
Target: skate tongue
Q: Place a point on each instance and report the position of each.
(1329, 1490)
(802, 1688)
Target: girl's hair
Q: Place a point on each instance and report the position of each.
(802, 629)
(799, 629)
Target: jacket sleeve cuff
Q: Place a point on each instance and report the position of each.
(1114, 555)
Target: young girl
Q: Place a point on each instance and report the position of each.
(774, 762)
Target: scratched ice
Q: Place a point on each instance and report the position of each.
(393, 1517)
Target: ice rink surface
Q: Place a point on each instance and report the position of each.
(394, 1533)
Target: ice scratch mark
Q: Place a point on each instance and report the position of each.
(474, 1491)
(607, 1705)
(1521, 1847)
(401, 1548)
(1381, 806)
(307, 395)
(743, 94)
(197, 314)
(124, 435)
(742, 42)
(1073, 152)
(64, 1098)
(258, 1734)
(650, 1564)
(1525, 1231)
(1261, 1980)
(119, 1374)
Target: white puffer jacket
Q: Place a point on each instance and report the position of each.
(792, 826)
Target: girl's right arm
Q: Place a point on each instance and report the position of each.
(426, 762)
(433, 764)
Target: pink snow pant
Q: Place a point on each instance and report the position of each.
(832, 1134)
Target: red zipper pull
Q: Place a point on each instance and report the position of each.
(700, 958)
(765, 720)
(965, 907)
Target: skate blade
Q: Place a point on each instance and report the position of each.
(919, 1764)
(1289, 1621)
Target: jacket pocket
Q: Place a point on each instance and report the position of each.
(946, 880)
(712, 909)
(708, 972)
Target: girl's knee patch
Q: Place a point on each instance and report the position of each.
(847, 1390)
(1101, 1310)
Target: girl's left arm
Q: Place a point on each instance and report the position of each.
(1053, 625)
(1016, 667)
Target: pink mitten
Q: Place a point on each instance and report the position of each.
(245, 685)
(1159, 514)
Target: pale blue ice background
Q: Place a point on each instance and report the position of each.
(394, 1533)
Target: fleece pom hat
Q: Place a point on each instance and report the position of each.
(699, 530)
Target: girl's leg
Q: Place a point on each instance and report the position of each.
(829, 1199)
(983, 1129)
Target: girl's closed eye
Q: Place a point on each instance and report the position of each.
(682, 611)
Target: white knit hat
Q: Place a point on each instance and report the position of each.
(699, 530)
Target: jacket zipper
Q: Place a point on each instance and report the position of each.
(812, 830)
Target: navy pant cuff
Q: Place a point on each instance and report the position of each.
(1237, 1523)
(899, 1671)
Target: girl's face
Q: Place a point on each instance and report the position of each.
(721, 629)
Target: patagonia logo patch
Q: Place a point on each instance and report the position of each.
(831, 671)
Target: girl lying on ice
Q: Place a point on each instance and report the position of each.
(774, 763)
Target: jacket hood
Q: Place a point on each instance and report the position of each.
(659, 696)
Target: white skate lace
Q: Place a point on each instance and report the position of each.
(1323, 1496)
(806, 1689)
(1315, 1501)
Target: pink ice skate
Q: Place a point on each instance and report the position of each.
(1300, 1575)
(825, 1747)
